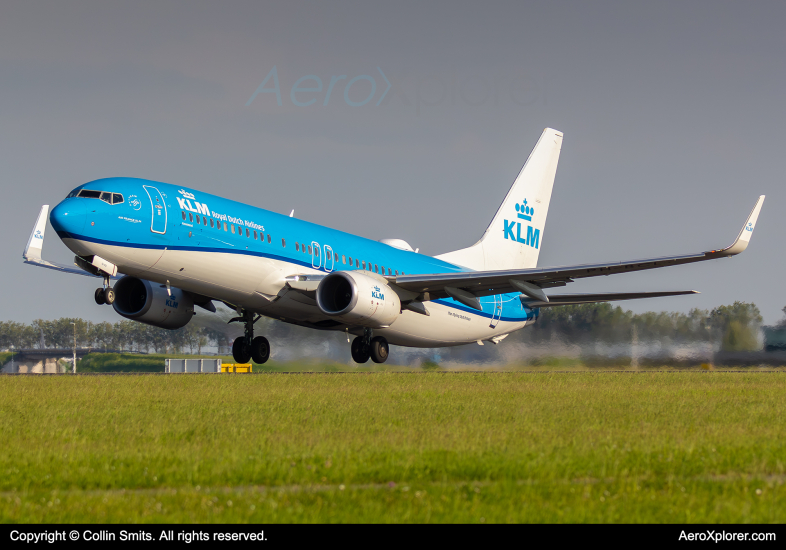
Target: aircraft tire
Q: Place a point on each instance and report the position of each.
(360, 353)
(260, 350)
(240, 351)
(99, 296)
(109, 295)
(379, 349)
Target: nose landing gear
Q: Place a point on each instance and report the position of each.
(245, 348)
(106, 294)
(365, 347)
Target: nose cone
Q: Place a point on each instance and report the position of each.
(68, 217)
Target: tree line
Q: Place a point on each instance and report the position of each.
(120, 336)
(733, 327)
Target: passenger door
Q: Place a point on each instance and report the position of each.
(158, 223)
(496, 313)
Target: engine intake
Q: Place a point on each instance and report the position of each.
(358, 298)
(149, 303)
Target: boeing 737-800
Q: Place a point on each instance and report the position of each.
(166, 249)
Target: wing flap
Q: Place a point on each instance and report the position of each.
(577, 299)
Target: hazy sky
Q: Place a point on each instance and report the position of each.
(672, 114)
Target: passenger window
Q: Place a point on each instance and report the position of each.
(248, 233)
(383, 269)
(335, 256)
(197, 219)
(225, 226)
(184, 214)
(232, 227)
(211, 222)
(268, 237)
(255, 235)
(283, 242)
(117, 198)
(376, 269)
(364, 264)
(397, 273)
(309, 250)
(350, 260)
(297, 247)
(316, 250)
(190, 217)
(390, 273)
(204, 220)
(357, 263)
(344, 259)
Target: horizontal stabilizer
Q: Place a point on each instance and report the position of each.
(576, 299)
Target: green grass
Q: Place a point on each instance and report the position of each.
(395, 447)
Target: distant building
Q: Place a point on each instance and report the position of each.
(774, 338)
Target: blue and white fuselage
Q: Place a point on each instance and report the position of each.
(243, 255)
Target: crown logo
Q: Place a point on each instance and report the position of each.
(186, 194)
(749, 227)
(525, 212)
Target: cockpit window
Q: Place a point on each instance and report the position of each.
(107, 197)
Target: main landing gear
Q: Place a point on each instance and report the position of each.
(105, 295)
(245, 348)
(365, 347)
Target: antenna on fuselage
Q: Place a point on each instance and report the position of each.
(291, 214)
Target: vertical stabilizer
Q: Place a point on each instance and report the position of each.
(515, 235)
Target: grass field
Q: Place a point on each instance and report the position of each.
(395, 447)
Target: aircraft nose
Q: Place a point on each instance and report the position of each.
(68, 216)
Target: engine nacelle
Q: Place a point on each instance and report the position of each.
(358, 299)
(148, 302)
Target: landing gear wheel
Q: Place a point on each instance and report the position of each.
(99, 296)
(240, 350)
(109, 295)
(379, 349)
(360, 352)
(260, 349)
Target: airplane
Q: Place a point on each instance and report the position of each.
(162, 250)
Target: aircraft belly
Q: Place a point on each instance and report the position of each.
(445, 326)
(258, 284)
(131, 261)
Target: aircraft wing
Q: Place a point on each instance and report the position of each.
(35, 245)
(576, 299)
(531, 281)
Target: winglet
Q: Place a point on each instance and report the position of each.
(35, 243)
(745, 233)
